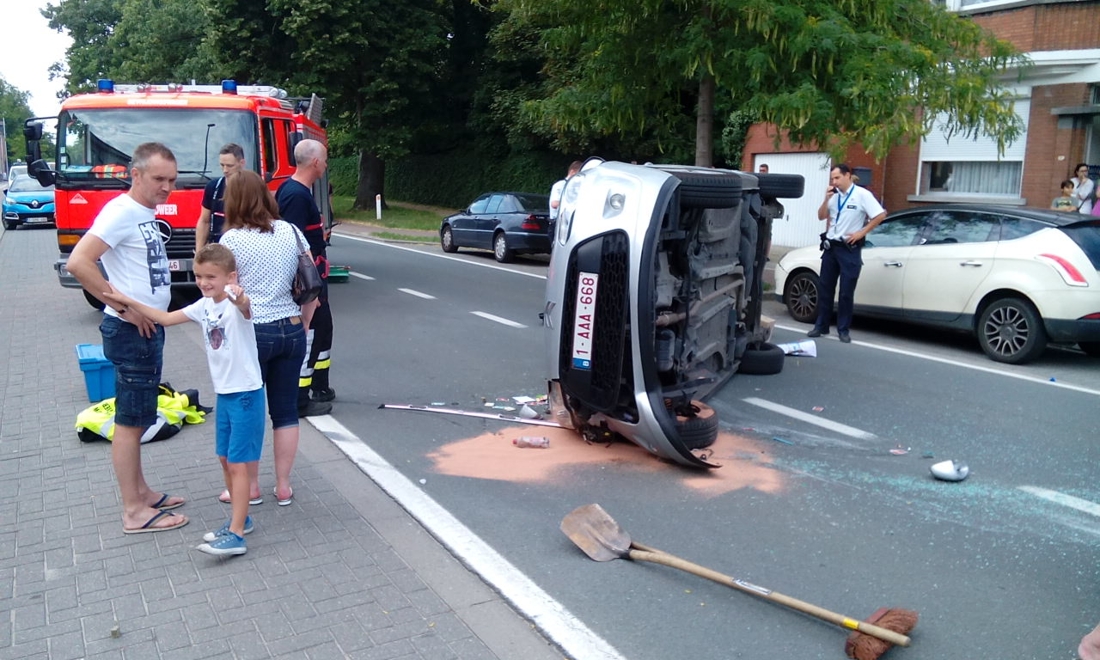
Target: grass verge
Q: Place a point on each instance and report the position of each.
(391, 236)
(396, 216)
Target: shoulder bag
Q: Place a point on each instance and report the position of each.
(307, 281)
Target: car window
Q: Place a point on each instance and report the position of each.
(897, 232)
(479, 204)
(494, 204)
(1087, 236)
(1018, 227)
(508, 204)
(27, 184)
(963, 227)
(533, 203)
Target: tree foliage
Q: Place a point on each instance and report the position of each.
(14, 109)
(832, 73)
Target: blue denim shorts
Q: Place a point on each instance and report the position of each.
(240, 433)
(138, 364)
(281, 346)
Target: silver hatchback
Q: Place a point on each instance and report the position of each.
(653, 299)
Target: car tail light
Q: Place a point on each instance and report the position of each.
(1070, 274)
(1095, 316)
(531, 223)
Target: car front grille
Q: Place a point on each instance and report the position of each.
(608, 256)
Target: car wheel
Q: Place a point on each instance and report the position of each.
(786, 186)
(447, 240)
(93, 301)
(764, 360)
(721, 190)
(801, 297)
(696, 423)
(1010, 330)
(500, 248)
(1090, 347)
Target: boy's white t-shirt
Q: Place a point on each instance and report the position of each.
(230, 345)
(136, 264)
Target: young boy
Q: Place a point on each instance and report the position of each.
(1066, 202)
(225, 315)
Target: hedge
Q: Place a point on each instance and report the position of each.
(454, 179)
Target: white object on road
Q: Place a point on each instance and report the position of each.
(804, 348)
(950, 470)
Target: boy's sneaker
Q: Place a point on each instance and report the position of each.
(225, 545)
(210, 537)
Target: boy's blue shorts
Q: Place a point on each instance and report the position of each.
(240, 418)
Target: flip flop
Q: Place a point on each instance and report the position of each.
(225, 498)
(281, 502)
(148, 527)
(167, 507)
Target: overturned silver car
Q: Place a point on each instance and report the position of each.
(653, 299)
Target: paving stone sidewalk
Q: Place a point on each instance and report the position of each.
(342, 573)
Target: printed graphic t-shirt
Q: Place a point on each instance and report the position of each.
(136, 264)
(230, 345)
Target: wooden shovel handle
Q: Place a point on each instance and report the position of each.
(640, 552)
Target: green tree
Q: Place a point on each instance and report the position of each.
(14, 109)
(834, 73)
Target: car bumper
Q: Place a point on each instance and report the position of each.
(523, 242)
(1072, 331)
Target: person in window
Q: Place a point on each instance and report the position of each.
(1066, 202)
(1082, 189)
(850, 212)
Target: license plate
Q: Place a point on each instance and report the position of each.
(39, 221)
(584, 320)
(173, 265)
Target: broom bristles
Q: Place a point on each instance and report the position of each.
(861, 646)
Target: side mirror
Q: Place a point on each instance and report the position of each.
(32, 132)
(42, 172)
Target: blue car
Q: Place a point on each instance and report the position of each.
(27, 202)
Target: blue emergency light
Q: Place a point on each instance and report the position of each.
(105, 86)
(229, 87)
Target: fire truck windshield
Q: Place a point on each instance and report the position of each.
(94, 145)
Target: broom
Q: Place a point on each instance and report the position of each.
(861, 646)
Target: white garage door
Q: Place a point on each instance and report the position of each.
(799, 226)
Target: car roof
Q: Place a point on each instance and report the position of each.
(1046, 216)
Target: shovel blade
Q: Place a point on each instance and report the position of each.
(596, 533)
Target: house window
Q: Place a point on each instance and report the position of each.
(970, 5)
(961, 166)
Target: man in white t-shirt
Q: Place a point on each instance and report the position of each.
(559, 188)
(850, 212)
(125, 239)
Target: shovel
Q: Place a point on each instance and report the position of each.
(596, 533)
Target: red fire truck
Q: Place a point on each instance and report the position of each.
(97, 133)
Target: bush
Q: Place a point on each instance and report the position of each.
(454, 179)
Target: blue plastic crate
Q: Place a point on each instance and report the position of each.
(99, 372)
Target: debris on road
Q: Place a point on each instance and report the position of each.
(804, 348)
(950, 470)
(532, 442)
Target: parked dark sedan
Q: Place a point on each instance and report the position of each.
(508, 223)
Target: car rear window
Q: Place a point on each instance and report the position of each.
(1087, 236)
(1012, 227)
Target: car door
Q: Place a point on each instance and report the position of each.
(487, 222)
(879, 290)
(943, 272)
(464, 224)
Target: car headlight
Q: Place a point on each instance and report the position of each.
(9, 201)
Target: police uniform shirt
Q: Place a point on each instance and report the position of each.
(850, 211)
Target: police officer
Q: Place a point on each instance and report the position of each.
(850, 212)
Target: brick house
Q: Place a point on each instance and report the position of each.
(1058, 98)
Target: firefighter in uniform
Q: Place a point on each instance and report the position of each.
(297, 206)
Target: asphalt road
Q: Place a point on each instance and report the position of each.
(810, 502)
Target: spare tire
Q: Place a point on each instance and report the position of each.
(763, 360)
(786, 186)
(697, 426)
(707, 189)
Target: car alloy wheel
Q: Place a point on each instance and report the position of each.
(500, 248)
(801, 297)
(1010, 330)
(447, 240)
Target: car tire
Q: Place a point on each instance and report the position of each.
(1010, 330)
(697, 430)
(1090, 347)
(447, 240)
(781, 186)
(700, 190)
(93, 301)
(801, 296)
(500, 248)
(764, 360)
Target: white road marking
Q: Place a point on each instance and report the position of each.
(418, 294)
(441, 256)
(361, 276)
(812, 419)
(549, 615)
(1084, 506)
(954, 363)
(497, 319)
